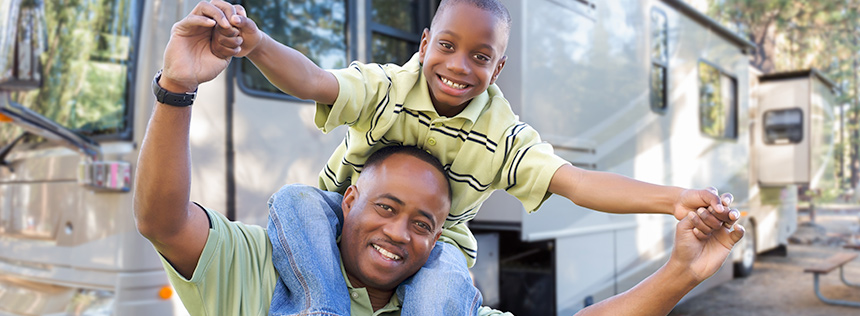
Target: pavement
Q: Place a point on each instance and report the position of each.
(778, 285)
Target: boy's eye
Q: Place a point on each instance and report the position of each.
(482, 57)
(446, 45)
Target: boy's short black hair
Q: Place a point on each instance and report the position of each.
(380, 155)
(493, 6)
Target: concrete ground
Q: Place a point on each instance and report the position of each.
(778, 285)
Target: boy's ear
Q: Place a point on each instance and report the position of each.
(498, 69)
(349, 198)
(422, 49)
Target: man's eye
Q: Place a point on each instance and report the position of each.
(424, 226)
(384, 207)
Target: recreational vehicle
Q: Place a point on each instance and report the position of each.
(649, 89)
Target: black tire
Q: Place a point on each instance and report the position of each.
(747, 246)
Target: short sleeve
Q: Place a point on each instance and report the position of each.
(529, 166)
(361, 87)
(234, 275)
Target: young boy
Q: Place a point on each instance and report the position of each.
(444, 100)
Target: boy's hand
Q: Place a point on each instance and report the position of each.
(239, 40)
(701, 250)
(691, 200)
(188, 58)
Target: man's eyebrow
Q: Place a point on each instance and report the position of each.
(393, 198)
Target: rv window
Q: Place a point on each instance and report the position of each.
(659, 59)
(783, 126)
(317, 29)
(86, 67)
(717, 102)
(395, 29)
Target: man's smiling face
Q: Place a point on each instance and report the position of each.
(462, 54)
(392, 219)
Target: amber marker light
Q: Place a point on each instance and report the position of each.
(4, 118)
(165, 292)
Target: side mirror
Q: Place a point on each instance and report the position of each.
(22, 40)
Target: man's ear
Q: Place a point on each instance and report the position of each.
(422, 49)
(349, 198)
(499, 69)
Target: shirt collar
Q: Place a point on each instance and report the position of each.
(360, 301)
(419, 97)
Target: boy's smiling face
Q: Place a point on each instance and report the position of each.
(462, 55)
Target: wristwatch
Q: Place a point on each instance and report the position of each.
(170, 98)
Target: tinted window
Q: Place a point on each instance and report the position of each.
(659, 59)
(783, 126)
(317, 29)
(395, 27)
(717, 102)
(86, 67)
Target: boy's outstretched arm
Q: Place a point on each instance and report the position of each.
(697, 255)
(286, 68)
(614, 193)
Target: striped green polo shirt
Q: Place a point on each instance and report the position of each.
(484, 148)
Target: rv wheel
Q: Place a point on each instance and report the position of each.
(744, 267)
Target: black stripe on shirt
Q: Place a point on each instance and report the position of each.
(512, 172)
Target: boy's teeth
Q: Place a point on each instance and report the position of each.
(453, 85)
(385, 253)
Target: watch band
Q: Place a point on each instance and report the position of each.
(170, 98)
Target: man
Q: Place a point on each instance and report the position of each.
(391, 219)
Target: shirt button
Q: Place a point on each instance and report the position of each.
(431, 141)
(354, 295)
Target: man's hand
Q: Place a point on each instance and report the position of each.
(188, 58)
(240, 40)
(703, 242)
(691, 200)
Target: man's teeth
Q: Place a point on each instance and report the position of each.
(452, 84)
(385, 253)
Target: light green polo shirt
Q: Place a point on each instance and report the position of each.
(235, 275)
(484, 148)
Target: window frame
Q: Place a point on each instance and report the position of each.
(350, 33)
(663, 64)
(734, 106)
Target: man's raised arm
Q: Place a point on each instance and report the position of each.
(176, 227)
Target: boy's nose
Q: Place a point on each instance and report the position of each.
(458, 64)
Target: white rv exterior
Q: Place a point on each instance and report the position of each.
(588, 75)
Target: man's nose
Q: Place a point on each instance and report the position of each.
(397, 231)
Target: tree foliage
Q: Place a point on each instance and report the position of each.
(793, 35)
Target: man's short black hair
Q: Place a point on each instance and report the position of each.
(493, 6)
(380, 155)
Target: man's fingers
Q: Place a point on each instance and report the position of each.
(208, 10)
(737, 234)
(226, 8)
(195, 20)
(240, 10)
